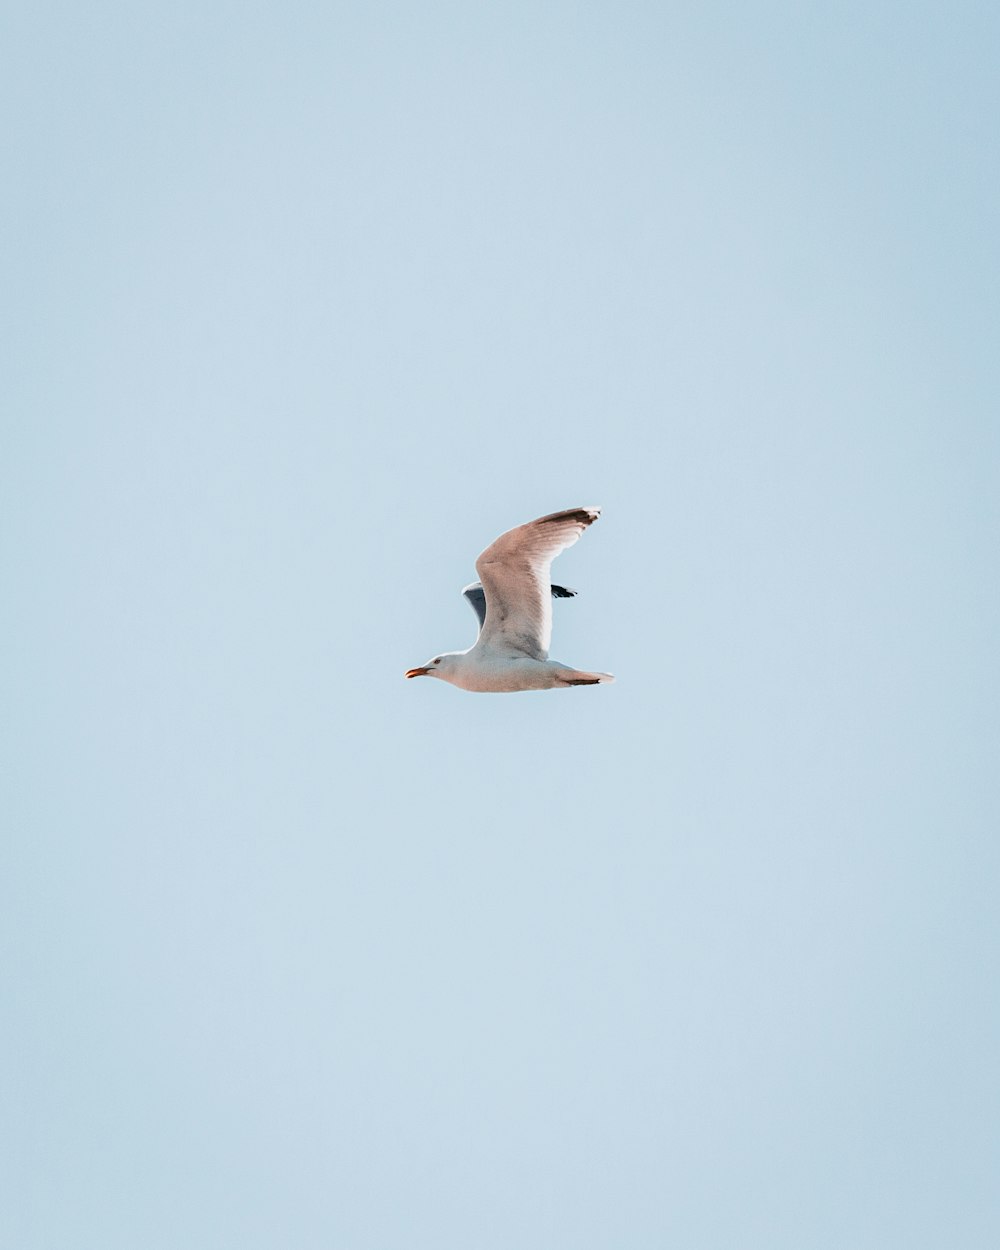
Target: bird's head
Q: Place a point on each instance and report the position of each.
(441, 666)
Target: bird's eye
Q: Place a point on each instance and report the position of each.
(438, 660)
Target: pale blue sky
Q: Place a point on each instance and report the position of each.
(303, 305)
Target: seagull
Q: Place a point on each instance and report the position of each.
(513, 601)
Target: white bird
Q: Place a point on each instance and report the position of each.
(514, 606)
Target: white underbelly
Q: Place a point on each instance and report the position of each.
(486, 674)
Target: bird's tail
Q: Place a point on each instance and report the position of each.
(573, 677)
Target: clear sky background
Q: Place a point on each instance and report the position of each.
(303, 305)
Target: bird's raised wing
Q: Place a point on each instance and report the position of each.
(515, 573)
(477, 597)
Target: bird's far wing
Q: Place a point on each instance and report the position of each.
(515, 575)
(477, 598)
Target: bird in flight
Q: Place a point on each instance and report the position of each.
(513, 601)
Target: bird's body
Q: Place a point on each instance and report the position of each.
(514, 606)
(484, 671)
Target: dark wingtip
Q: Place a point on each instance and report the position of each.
(583, 516)
(562, 592)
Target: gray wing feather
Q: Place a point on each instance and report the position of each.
(477, 597)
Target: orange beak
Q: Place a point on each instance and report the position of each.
(417, 672)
